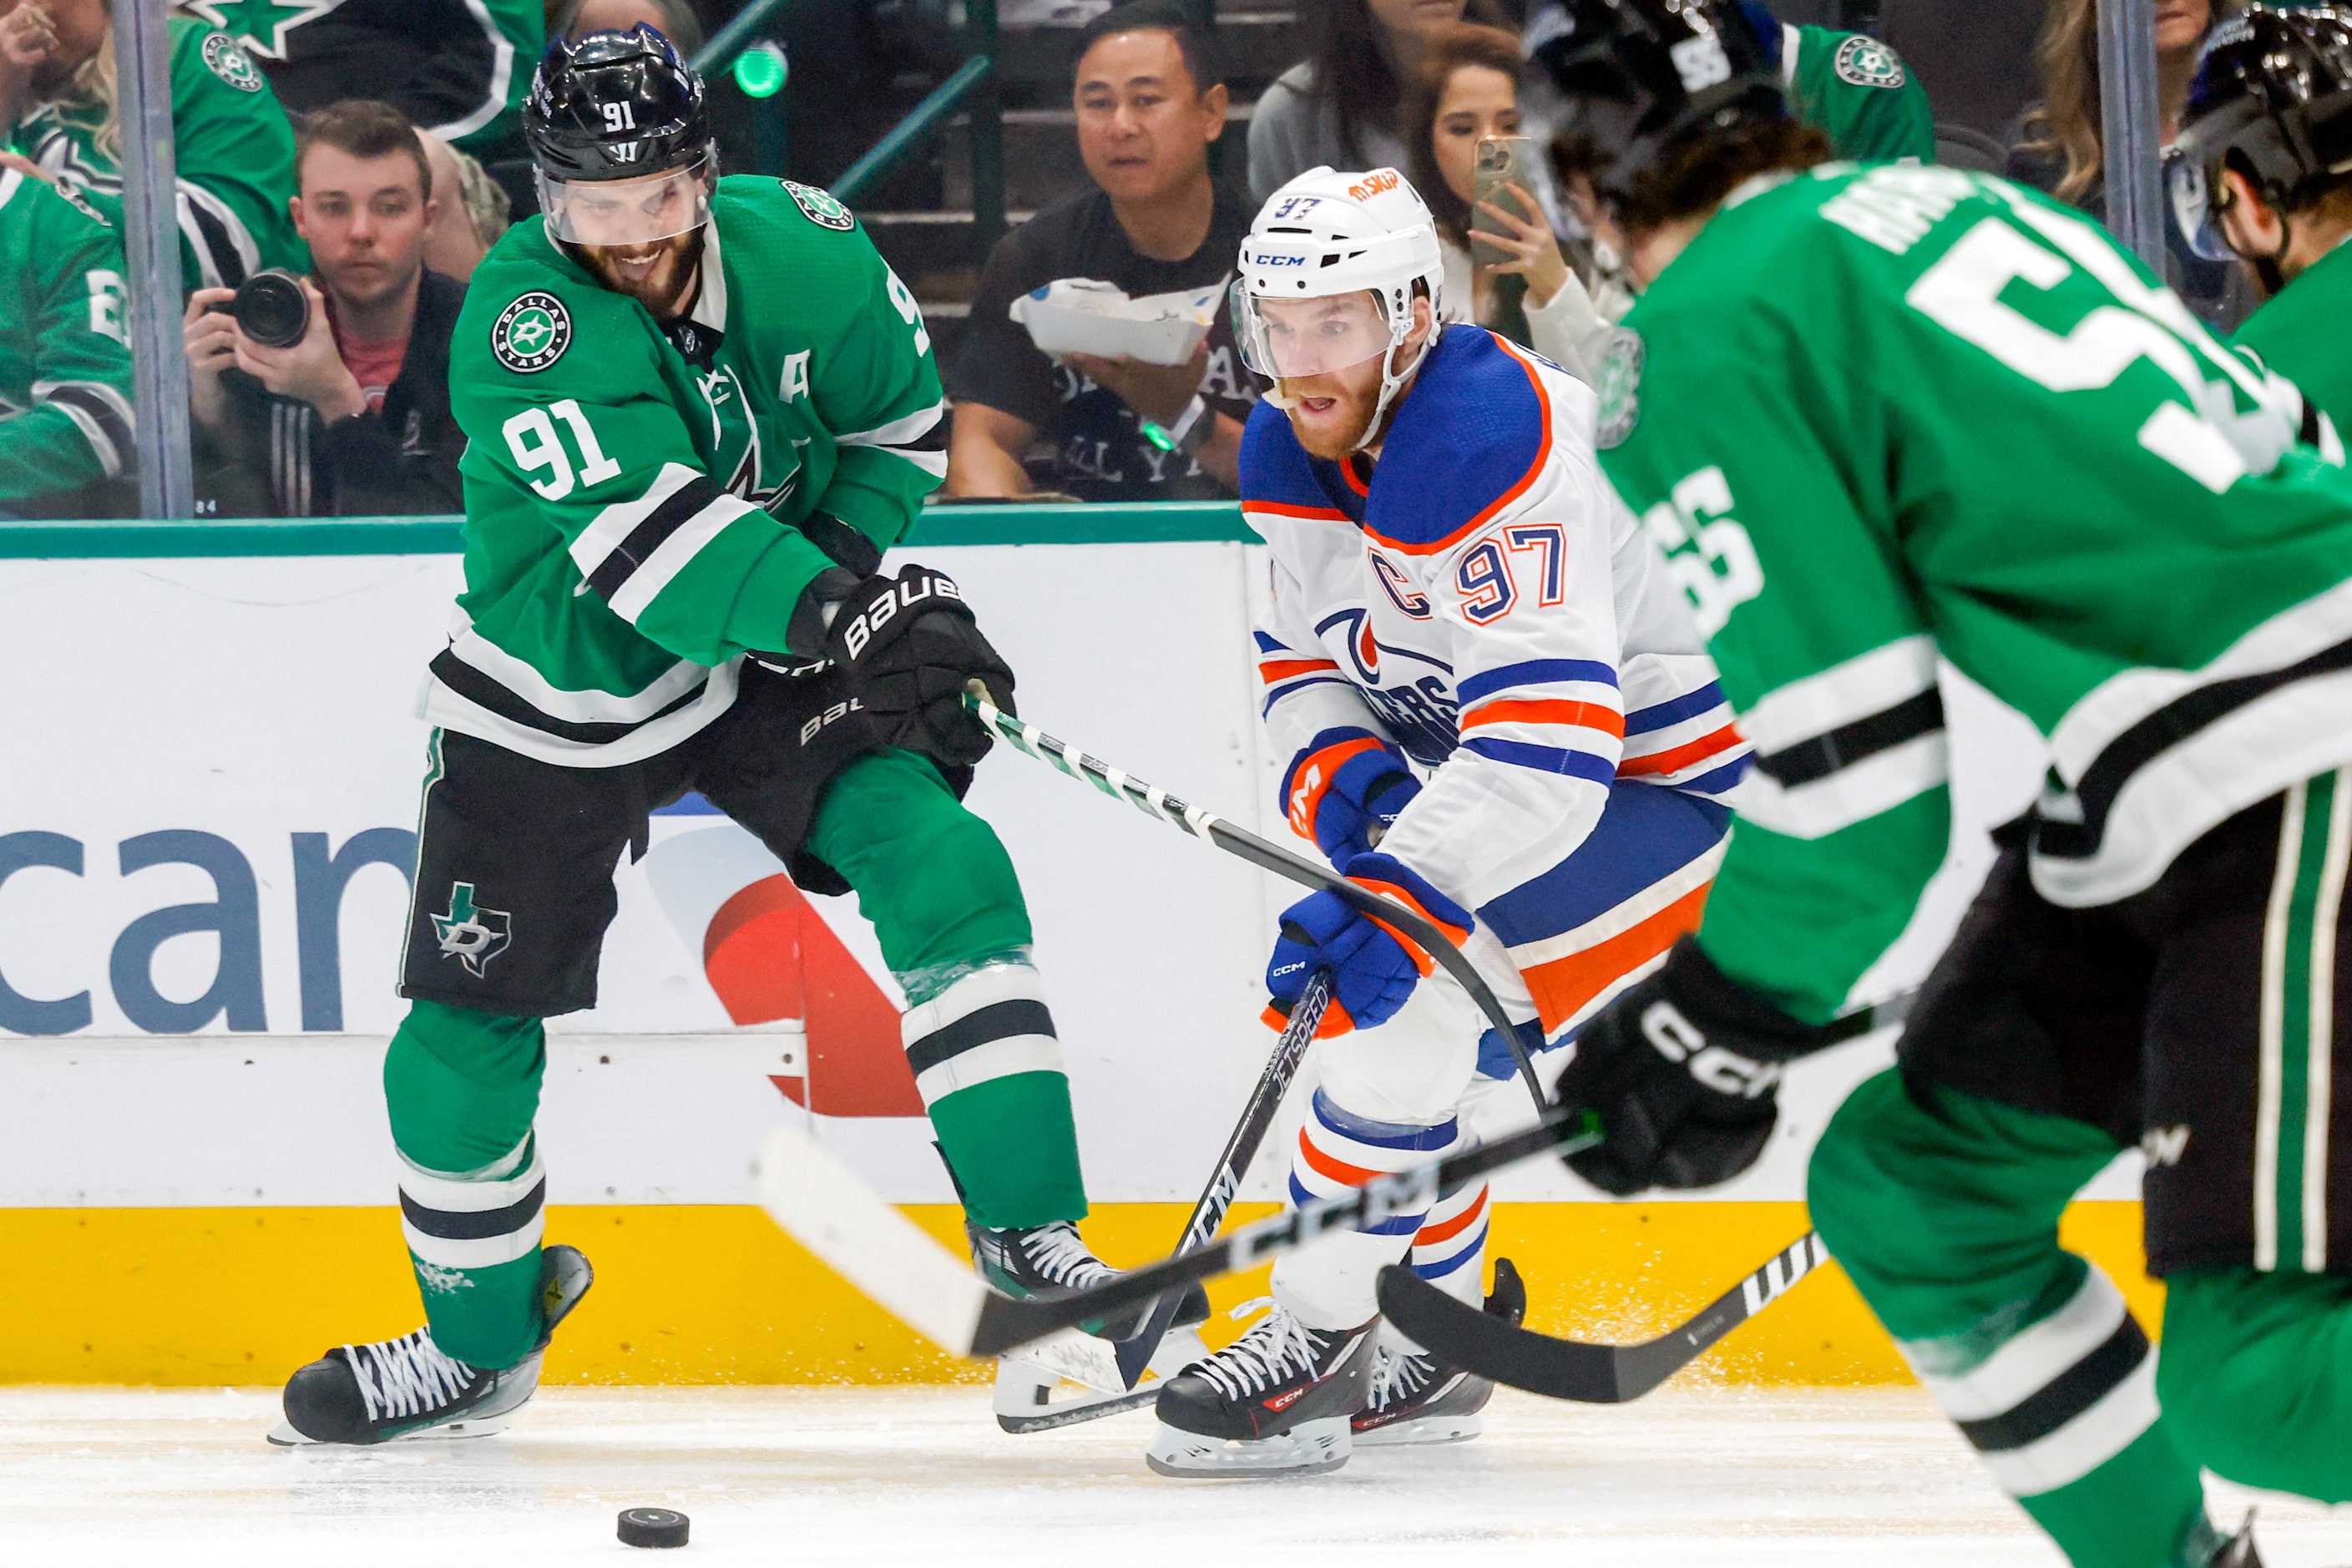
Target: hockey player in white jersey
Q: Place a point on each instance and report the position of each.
(1478, 663)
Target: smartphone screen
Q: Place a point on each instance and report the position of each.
(1499, 163)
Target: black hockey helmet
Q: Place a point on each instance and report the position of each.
(2272, 97)
(1645, 74)
(614, 106)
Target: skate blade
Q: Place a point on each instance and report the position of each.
(1424, 1430)
(1309, 1448)
(1025, 1399)
(284, 1435)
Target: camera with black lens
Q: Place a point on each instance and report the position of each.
(271, 309)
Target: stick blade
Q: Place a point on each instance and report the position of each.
(826, 1206)
(1461, 1335)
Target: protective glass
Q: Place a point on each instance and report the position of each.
(627, 212)
(1294, 338)
(2194, 210)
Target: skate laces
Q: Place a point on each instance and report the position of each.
(1397, 1377)
(1275, 1347)
(1059, 1256)
(406, 1376)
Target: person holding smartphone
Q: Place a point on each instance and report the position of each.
(1505, 267)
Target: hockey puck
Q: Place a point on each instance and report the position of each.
(651, 1527)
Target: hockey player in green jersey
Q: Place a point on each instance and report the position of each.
(233, 148)
(65, 373)
(2261, 173)
(699, 411)
(1885, 416)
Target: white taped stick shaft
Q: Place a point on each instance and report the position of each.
(826, 1206)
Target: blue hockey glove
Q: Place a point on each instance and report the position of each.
(1494, 1057)
(1684, 1070)
(1341, 785)
(1373, 967)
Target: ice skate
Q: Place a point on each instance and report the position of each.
(2238, 1552)
(1070, 1377)
(1275, 1402)
(1413, 1398)
(1047, 1259)
(405, 1389)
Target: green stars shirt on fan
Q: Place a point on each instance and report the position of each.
(638, 515)
(65, 373)
(1859, 92)
(1882, 416)
(234, 152)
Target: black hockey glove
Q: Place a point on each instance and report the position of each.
(1684, 1070)
(909, 645)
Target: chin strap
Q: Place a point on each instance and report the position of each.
(1392, 380)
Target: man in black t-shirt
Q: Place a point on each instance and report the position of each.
(1149, 100)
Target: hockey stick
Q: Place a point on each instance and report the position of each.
(827, 1208)
(1465, 1337)
(1225, 1179)
(1610, 1374)
(1154, 800)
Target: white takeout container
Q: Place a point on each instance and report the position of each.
(1087, 316)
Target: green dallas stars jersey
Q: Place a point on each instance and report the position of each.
(233, 152)
(1856, 90)
(1888, 414)
(636, 521)
(2300, 332)
(65, 374)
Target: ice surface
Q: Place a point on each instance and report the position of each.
(1689, 1478)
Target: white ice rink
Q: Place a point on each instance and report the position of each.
(1690, 1477)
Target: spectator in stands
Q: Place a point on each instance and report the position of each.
(2056, 145)
(354, 419)
(234, 150)
(459, 68)
(65, 373)
(1466, 91)
(472, 210)
(1151, 99)
(673, 19)
(1344, 104)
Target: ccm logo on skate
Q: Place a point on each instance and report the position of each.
(884, 610)
(1726, 1072)
(1283, 1401)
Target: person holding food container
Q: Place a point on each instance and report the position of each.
(1099, 361)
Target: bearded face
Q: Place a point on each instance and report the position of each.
(1337, 346)
(660, 276)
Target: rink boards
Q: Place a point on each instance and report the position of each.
(202, 884)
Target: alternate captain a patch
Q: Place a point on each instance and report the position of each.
(821, 207)
(531, 333)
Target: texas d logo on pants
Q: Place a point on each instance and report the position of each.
(472, 935)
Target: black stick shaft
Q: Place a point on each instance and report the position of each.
(1005, 1322)
(1225, 1179)
(1154, 800)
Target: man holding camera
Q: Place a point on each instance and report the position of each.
(329, 396)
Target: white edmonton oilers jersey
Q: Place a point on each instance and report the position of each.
(1486, 601)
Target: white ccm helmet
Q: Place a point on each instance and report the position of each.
(1327, 234)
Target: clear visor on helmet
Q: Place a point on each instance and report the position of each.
(2193, 207)
(1295, 338)
(619, 212)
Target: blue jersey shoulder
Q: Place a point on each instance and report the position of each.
(1275, 470)
(1473, 433)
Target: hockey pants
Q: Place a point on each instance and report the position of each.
(1947, 1221)
(462, 1086)
(1555, 949)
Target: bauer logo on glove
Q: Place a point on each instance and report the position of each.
(910, 643)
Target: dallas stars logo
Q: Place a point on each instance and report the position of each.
(471, 934)
(260, 25)
(821, 208)
(531, 333)
(1867, 62)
